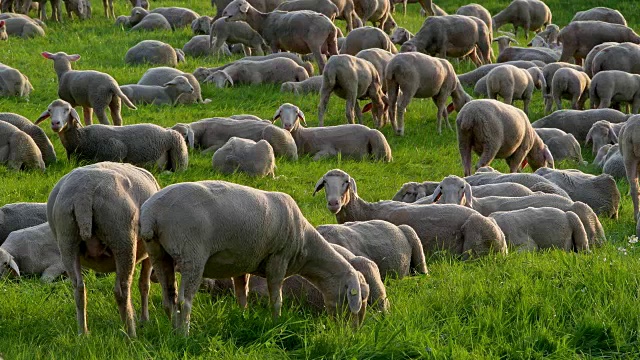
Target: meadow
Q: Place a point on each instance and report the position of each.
(521, 306)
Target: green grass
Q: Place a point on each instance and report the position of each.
(549, 304)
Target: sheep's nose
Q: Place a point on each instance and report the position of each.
(333, 203)
(55, 123)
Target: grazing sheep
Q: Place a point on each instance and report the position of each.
(460, 230)
(352, 79)
(478, 11)
(202, 73)
(20, 216)
(199, 46)
(81, 8)
(603, 132)
(272, 71)
(13, 82)
(629, 140)
(3, 31)
(347, 12)
(34, 251)
(548, 71)
(613, 163)
(561, 145)
(487, 175)
(380, 59)
(599, 192)
(236, 32)
(162, 75)
(123, 21)
(410, 75)
(302, 32)
(158, 95)
(579, 37)
(24, 28)
(178, 17)
(211, 134)
(623, 57)
(18, 151)
(152, 52)
(312, 85)
(533, 229)
(36, 133)
(513, 83)
(201, 25)
(141, 144)
(508, 53)
(411, 191)
(588, 60)
(531, 15)
(601, 14)
(396, 250)
(350, 141)
(601, 156)
(325, 7)
(572, 85)
(613, 87)
(93, 215)
(260, 5)
(141, 19)
(375, 11)
(578, 122)
(493, 129)
(400, 36)
(248, 156)
(367, 38)
(284, 243)
(472, 77)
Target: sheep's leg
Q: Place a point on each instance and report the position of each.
(241, 289)
(317, 54)
(114, 107)
(217, 45)
(631, 167)
(392, 92)
(350, 106)
(212, 149)
(246, 50)
(191, 279)
(403, 102)
(143, 285)
(70, 251)
(548, 105)
(358, 112)
(275, 270)
(52, 273)
(559, 103)
(404, 7)
(526, 105)
(325, 94)
(87, 114)
(635, 106)
(464, 147)
(441, 103)
(101, 113)
(605, 102)
(515, 160)
(575, 102)
(489, 152)
(125, 267)
(165, 272)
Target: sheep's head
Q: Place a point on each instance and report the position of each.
(337, 185)
(453, 190)
(602, 155)
(539, 156)
(236, 10)
(220, 78)
(181, 84)
(201, 73)
(137, 14)
(409, 192)
(377, 291)
(504, 42)
(122, 21)
(538, 78)
(61, 59)
(62, 115)
(379, 104)
(400, 36)
(290, 116)
(352, 289)
(389, 25)
(601, 133)
(186, 132)
(409, 46)
(8, 265)
(180, 57)
(201, 25)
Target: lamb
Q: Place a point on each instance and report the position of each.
(19, 151)
(396, 250)
(236, 32)
(410, 75)
(162, 75)
(13, 82)
(24, 28)
(613, 163)
(400, 36)
(199, 46)
(141, 144)
(487, 175)
(282, 30)
(531, 15)
(508, 53)
(310, 86)
(32, 250)
(152, 52)
(623, 57)
(478, 11)
(603, 132)
(352, 78)
(578, 122)
(158, 95)
(380, 59)
(411, 191)
(260, 5)
(599, 192)
(93, 214)
(615, 87)
(178, 17)
(630, 151)
(324, 7)
(248, 156)
(588, 61)
(350, 141)
(579, 37)
(601, 14)
(202, 73)
(472, 77)
(561, 145)
(284, 243)
(542, 228)
(366, 38)
(3, 31)
(141, 19)
(548, 71)
(375, 11)
(572, 85)
(37, 134)
(201, 25)
(272, 71)
(211, 134)
(459, 230)
(513, 83)
(18, 216)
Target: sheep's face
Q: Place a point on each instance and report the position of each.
(185, 131)
(389, 25)
(539, 156)
(181, 84)
(201, 25)
(236, 10)
(290, 116)
(408, 47)
(601, 133)
(220, 78)
(61, 114)
(137, 14)
(201, 73)
(399, 36)
(352, 294)
(336, 184)
(8, 265)
(453, 190)
(408, 193)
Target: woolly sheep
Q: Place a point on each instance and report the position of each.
(613, 163)
(578, 122)
(141, 19)
(152, 52)
(260, 5)
(158, 95)
(347, 12)
(579, 37)
(81, 8)
(410, 75)
(603, 132)
(272, 71)
(400, 36)
(199, 46)
(93, 214)
(602, 14)
(513, 83)
(548, 71)
(493, 129)
(141, 144)
(380, 59)
(366, 38)
(472, 77)
(162, 75)
(561, 145)
(487, 175)
(236, 32)
(454, 228)
(23, 28)
(32, 250)
(13, 82)
(588, 60)
(375, 11)
(570, 84)
(201, 25)
(36, 133)
(613, 87)
(411, 191)
(18, 216)
(350, 140)
(178, 17)
(248, 156)
(508, 53)
(18, 151)
(225, 208)
(202, 73)
(478, 11)
(601, 156)
(629, 140)
(623, 57)
(531, 15)
(325, 7)
(310, 86)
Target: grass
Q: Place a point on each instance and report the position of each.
(534, 305)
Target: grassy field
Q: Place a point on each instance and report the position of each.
(522, 306)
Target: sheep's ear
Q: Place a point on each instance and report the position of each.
(612, 135)
(512, 40)
(244, 7)
(13, 268)
(47, 55)
(437, 193)
(367, 108)
(352, 185)
(74, 57)
(76, 117)
(450, 108)
(301, 117)
(190, 137)
(548, 157)
(589, 135)
(354, 295)
(42, 117)
(229, 79)
(172, 82)
(319, 186)
(276, 116)
(468, 195)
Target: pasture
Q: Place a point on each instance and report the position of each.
(525, 305)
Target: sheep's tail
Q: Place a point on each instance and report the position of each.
(178, 152)
(83, 212)
(579, 241)
(418, 261)
(147, 224)
(380, 148)
(124, 97)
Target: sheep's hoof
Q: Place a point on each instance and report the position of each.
(400, 132)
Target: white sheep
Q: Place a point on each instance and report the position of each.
(201, 25)
(472, 77)
(272, 71)
(152, 52)
(400, 36)
(141, 19)
(202, 73)
(548, 71)
(613, 163)
(178, 17)
(613, 87)
(199, 46)
(578, 122)
(579, 37)
(366, 37)
(412, 191)
(13, 82)
(508, 53)
(531, 15)
(588, 60)
(20, 216)
(601, 14)
(561, 145)
(478, 11)
(24, 28)
(623, 57)
(375, 11)
(324, 7)
(629, 140)
(513, 83)
(167, 94)
(570, 84)
(603, 132)
(247, 156)
(36, 133)
(312, 85)
(380, 59)
(236, 32)
(18, 151)
(162, 75)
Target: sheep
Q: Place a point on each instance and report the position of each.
(375, 11)
(211, 134)
(123, 21)
(599, 192)
(613, 163)
(578, 122)
(23, 28)
(272, 71)
(13, 82)
(380, 59)
(548, 71)
(81, 8)
(199, 46)
(396, 250)
(202, 73)
(602, 14)
(542, 228)
(18, 216)
(3, 31)
(561, 145)
(452, 35)
(508, 53)
(248, 156)
(513, 83)
(352, 78)
(459, 230)
(201, 25)
(225, 208)
(366, 38)
(493, 129)
(162, 75)
(478, 11)
(158, 95)
(411, 191)
(410, 75)
(603, 132)
(623, 57)
(588, 60)
(298, 31)
(350, 141)
(236, 32)
(93, 214)
(37, 134)
(141, 19)
(141, 144)
(152, 52)
(400, 36)
(18, 150)
(602, 154)
(629, 149)
(472, 77)
(325, 7)
(347, 12)
(531, 15)
(178, 17)
(404, 5)
(579, 37)
(310, 86)
(487, 175)
(434, 10)
(32, 250)
(613, 87)
(260, 5)
(572, 85)
(549, 35)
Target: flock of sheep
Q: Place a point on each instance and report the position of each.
(110, 215)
